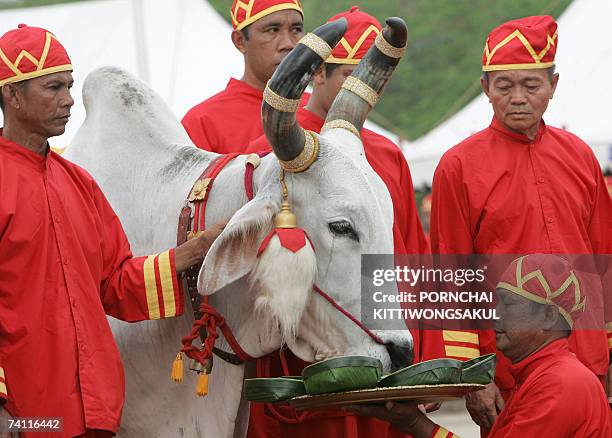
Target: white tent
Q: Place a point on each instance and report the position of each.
(582, 103)
(182, 48)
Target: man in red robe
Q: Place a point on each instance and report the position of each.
(66, 262)
(519, 187)
(555, 394)
(265, 31)
(389, 163)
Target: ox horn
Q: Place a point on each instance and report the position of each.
(361, 90)
(283, 92)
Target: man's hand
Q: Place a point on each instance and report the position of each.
(405, 417)
(194, 250)
(4, 417)
(485, 405)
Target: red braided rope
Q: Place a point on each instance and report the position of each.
(211, 320)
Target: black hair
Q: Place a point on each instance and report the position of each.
(330, 67)
(21, 84)
(245, 32)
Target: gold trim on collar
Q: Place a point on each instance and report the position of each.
(317, 45)
(361, 89)
(341, 124)
(388, 49)
(280, 103)
(308, 155)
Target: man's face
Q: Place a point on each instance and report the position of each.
(520, 97)
(519, 329)
(327, 87)
(45, 102)
(270, 39)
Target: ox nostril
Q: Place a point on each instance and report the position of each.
(401, 356)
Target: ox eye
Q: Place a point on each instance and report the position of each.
(343, 228)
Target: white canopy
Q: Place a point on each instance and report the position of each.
(582, 102)
(181, 48)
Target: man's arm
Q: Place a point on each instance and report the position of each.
(141, 288)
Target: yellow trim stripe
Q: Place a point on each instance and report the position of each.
(36, 74)
(517, 66)
(332, 60)
(458, 336)
(3, 390)
(151, 288)
(270, 10)
(609, 326)
(2, 373)
(441, 433)
(165, 275)
(465, 352)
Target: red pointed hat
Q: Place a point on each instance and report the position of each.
(546, 279)
(526, 43)
(29, 52)
(245, 12)
(359, 37)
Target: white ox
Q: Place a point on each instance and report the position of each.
(145, 163)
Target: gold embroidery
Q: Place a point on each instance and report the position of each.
(361, 89)
(387, 49)
(280, 103)
(308, 155)
(341, 124)
(317, 45)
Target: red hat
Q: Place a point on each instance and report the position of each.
(526, 43)
(30, 52)
(245, 12)
(546, 279)
(359, 37)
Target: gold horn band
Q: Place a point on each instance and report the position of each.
(386, 48)
(317, 45)
(341, 124)
(280, 103)
(361, 89)
(308, 155)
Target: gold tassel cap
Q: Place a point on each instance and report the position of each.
(177, 368)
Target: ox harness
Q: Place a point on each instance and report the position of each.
(207, 319)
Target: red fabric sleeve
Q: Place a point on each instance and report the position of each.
(450, 233)
(600, 236)
(198, 130)
(415, 241)
(135, 289)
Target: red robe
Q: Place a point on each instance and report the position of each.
(389, 163)
(499, 192)
(66, 264)
(227, 121)
(556, 396)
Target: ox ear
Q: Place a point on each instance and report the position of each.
(234, 254)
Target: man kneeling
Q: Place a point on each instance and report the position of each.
(555, 394)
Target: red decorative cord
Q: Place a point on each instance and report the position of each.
(211, 320)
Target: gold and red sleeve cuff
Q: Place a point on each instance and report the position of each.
(462, 345)
(163, 287)
(3, 390)
(440, 432)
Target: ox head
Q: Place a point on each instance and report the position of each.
(339, 200)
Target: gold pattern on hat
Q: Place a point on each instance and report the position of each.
(387, 48)
(280, 103)
(317, 45)
(579, 301)
(361, 89)
(341, 124)
(309, 154)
